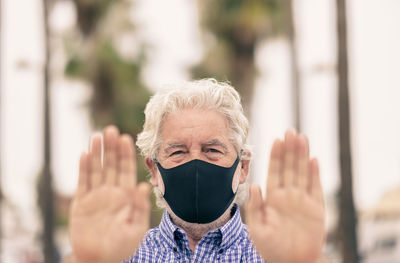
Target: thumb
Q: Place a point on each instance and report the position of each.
(141, 203)
(255, 205)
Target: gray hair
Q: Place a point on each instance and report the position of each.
(207, 94)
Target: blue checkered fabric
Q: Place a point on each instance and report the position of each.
(169, 243)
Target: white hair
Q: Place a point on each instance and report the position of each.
(207, 94)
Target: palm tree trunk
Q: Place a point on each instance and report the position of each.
(243, 76)
(347, 218)
(45, 182)
(1, 192)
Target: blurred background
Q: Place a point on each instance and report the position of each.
(329, 68)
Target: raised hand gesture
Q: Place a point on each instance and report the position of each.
(288, 226)
(110, 213)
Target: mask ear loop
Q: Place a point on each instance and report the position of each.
(238, 179)
(237, 188)
(240, 159)
(160, 192)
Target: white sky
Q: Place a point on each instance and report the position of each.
(171, 28)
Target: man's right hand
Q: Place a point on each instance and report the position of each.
(110, 213)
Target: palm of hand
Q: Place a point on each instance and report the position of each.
(109, 214)
(289, 225)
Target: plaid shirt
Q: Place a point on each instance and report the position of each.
(169, 243)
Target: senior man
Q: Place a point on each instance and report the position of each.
(194, 144)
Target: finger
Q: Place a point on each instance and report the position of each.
(95, 163)
(255, 205)
(89, 170)
(126, 162)
(275, 179)
(141, 203)
(315, 187)
(111, 135)
(302, 162)
(83, 185)
(288, 166)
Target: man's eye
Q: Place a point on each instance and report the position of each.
(212, 150)
(176, 153)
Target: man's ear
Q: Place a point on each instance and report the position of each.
(153, 170)
(244, 170)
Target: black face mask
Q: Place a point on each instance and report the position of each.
(198, 191)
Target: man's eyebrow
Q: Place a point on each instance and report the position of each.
(172, 146)
(216, 142)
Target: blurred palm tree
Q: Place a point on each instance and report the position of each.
(98, 55)
(119, 95)
(233, 29)
(347, 224)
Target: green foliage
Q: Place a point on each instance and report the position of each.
(90, 13)
(75, 68)
(237, 20)
(61, 220)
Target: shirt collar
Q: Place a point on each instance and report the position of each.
(228, 233)
(232, 229)
(167, 229)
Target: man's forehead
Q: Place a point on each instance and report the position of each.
(211, 120)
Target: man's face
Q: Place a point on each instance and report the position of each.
(196, 134)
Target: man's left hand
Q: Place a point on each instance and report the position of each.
(288, 226)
